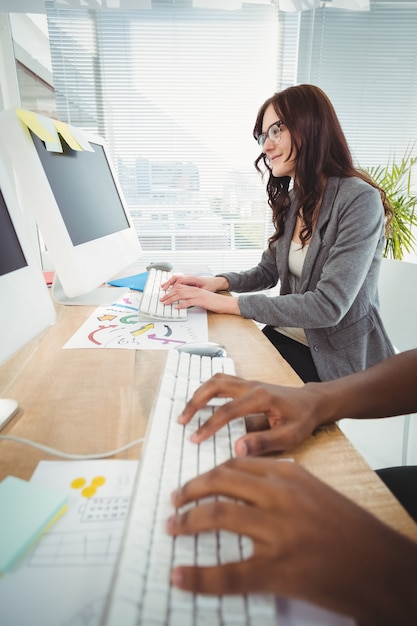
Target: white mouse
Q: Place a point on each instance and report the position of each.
(160, 265)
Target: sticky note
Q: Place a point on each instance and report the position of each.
(65, 132)
(26, 511)
(34, 122)
(81, 137)
(137, 281)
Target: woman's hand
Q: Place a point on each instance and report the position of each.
(210, 283)
(188, 291)
(291, 412)
(309, 542)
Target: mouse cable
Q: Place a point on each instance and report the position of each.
(67, 455)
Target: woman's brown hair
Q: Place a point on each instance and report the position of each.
(320, 149)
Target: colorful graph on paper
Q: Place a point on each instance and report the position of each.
(118, 326)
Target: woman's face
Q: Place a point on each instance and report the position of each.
(278, 152)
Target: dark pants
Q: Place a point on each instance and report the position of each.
(295, 353)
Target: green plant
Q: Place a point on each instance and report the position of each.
(395, 180)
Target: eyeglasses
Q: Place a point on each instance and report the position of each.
(273, 133)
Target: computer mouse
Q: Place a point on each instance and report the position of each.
(204, 348)
(160, 265)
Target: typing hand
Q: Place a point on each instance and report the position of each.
(309, 542)
(290, 413)
(187, 296)
(203, 282)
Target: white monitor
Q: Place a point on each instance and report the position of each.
(79, 207)
(26, 307)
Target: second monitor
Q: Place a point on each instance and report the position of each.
(26, 307)
(79, 207)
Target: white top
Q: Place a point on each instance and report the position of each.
(296, 259)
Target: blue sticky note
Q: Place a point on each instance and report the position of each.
(136, 281)
(26, 511)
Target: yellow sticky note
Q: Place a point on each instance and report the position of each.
(34, 123)
(66, 133)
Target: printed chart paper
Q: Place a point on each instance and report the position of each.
(63, 580)
(118, 326)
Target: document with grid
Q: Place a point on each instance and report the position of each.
(141, 592)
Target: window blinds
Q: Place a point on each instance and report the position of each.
(175, 91)
(366, 61)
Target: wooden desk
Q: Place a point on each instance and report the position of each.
(85, 401)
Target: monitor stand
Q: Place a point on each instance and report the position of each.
(102, 296)
(7, 409)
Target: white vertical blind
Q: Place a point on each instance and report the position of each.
(366, 61)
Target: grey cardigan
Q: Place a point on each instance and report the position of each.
(337, 304)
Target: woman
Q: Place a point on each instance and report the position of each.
(326, 249)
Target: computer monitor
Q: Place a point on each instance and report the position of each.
(79, 207)
(26, 307)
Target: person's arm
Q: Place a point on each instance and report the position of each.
(309, 542)
(353, 239)
(187, 291)
(386, 389)
(210, 283)
(184, 296)
(185, 288)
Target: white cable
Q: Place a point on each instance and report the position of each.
(66, 455)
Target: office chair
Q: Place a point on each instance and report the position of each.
(398, 305)
(398, 308)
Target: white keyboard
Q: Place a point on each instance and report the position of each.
(141, 593)
(150, 307)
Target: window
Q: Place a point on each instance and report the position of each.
(175, 91)
(366, 63)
